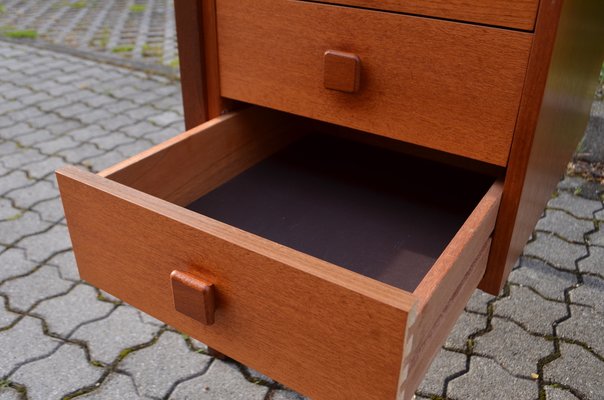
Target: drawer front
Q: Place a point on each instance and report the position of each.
(318, 328)
(518, 14)
(448, 86)
(274, 312)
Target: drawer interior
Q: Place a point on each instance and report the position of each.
(370, 210)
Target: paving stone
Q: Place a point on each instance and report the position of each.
(70, 371)
(445, 364)
(44, 120)
(165, 118)
(65, 313)
(112, 140)
(466, 325)
(116, 386)
(24, 157)
(13, 263)
(141, 113)
(155, 368)
(108, 337)
(46, 282)
(20, 226)
(56, 145)
(555, 251)
(579, 369)
(50, 210)
(577, 206)
(479, 301)
(586, 326)
(44, 168)
(28, 196)
(514, 349)
(221, 381)
(147, 319)
(14, 180)
(552, 393)
(568, 227)
(530, 310)
(591, 292)
(63, 127)
(37, 136)
(26, 341)
(258, 377)
(79, 153)
(131, 149)
(7, 147)
(86, 133)
(595, 262)
(487, 380)
(8, 393)
(24, 113)
(115, 123)
(66, 264)
(7, 211)
(597, 238)
(42, 246)
(139, 129)
(103, 161)
(96, 115)
(6, 317)
(548, 281)
(286, 395)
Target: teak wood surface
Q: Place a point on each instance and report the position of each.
(449, 86)
(518, 14)
(326, 331)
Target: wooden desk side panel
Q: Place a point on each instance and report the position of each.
(563, 71)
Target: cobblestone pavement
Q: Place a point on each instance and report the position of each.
(135, 29)
(61, 338)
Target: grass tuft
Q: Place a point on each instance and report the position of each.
(21, 34)
(137, 8)
(123, 48)
(78, 4)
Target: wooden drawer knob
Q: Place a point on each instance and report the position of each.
(193, 296)
(341, 71)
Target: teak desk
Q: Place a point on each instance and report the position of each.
(352, 171)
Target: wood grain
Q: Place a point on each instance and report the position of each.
(198, 61)
(193, 296)
(323, 330)
(191, 164)
(445, 290)
(192, 62)
(519, 14)
(448, 86)
(562, 77)
(429, 333)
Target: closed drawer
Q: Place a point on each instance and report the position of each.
(448, 86)
(337, 268)
(518, 14)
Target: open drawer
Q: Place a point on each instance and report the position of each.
(337, 268)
